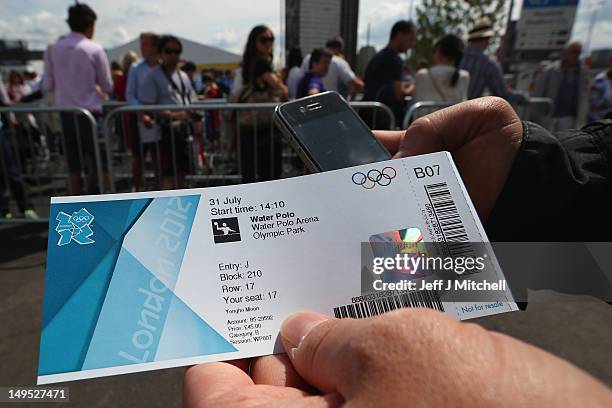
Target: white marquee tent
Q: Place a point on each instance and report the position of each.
(202, 55)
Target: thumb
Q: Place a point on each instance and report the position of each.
(318, 348)
(420, 138)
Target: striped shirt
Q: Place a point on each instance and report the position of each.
(486, 73)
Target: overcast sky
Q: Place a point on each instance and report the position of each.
(225, 23)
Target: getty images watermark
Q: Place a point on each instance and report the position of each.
(401, 272)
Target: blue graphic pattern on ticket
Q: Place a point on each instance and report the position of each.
(144, 281)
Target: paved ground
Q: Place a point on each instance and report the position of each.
(580, 332)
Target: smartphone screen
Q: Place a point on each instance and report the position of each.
(331, 133)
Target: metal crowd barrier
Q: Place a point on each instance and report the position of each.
(33, 155)
(538, 110)
(232, 127)
(110, 105)
(376, 106)
(209, 101)
(33, 162)
(422, 108)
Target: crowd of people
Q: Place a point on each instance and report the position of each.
(501, 159)
(77, 73)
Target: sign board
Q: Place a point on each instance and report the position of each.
(545, 24)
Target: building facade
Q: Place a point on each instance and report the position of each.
(309, 24)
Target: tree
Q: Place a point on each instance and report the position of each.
(436, 18)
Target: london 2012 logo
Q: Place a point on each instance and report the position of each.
(374, 177)
(75, 227)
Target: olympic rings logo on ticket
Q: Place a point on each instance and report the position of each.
(80, 218)
(373, 177)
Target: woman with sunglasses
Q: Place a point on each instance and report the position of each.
(260, 148)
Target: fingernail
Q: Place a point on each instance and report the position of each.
(298, 325)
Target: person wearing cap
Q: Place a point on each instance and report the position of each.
(566, 82)
(484, 71)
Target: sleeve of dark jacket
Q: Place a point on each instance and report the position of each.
(559, 189)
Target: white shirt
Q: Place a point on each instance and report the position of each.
(425, 90)
(293, 79)
(339, 70)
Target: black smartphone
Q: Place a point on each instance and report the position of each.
(327, 133)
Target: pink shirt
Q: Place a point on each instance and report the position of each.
(74, 68)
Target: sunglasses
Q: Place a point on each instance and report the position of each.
(172, 51)
(266, 40)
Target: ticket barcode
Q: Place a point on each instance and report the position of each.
(374, 307)
(449, 219)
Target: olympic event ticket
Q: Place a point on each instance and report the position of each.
(144, 281)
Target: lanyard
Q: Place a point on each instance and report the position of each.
(182, 91)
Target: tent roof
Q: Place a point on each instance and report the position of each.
(192, 51)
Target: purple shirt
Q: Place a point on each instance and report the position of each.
(74, 68)
(310, 81)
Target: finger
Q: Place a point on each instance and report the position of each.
(332, 400)
(207, 385)
(389, 138)
(277, 370)
(317, 345)
(204, 383)
(453, 127)
(420, 138)
(243, 364)
(471, 131)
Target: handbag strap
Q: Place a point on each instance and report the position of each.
(245, 93)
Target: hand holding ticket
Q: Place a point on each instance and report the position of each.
(152, 280)
(402, 358)
(374, 362)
